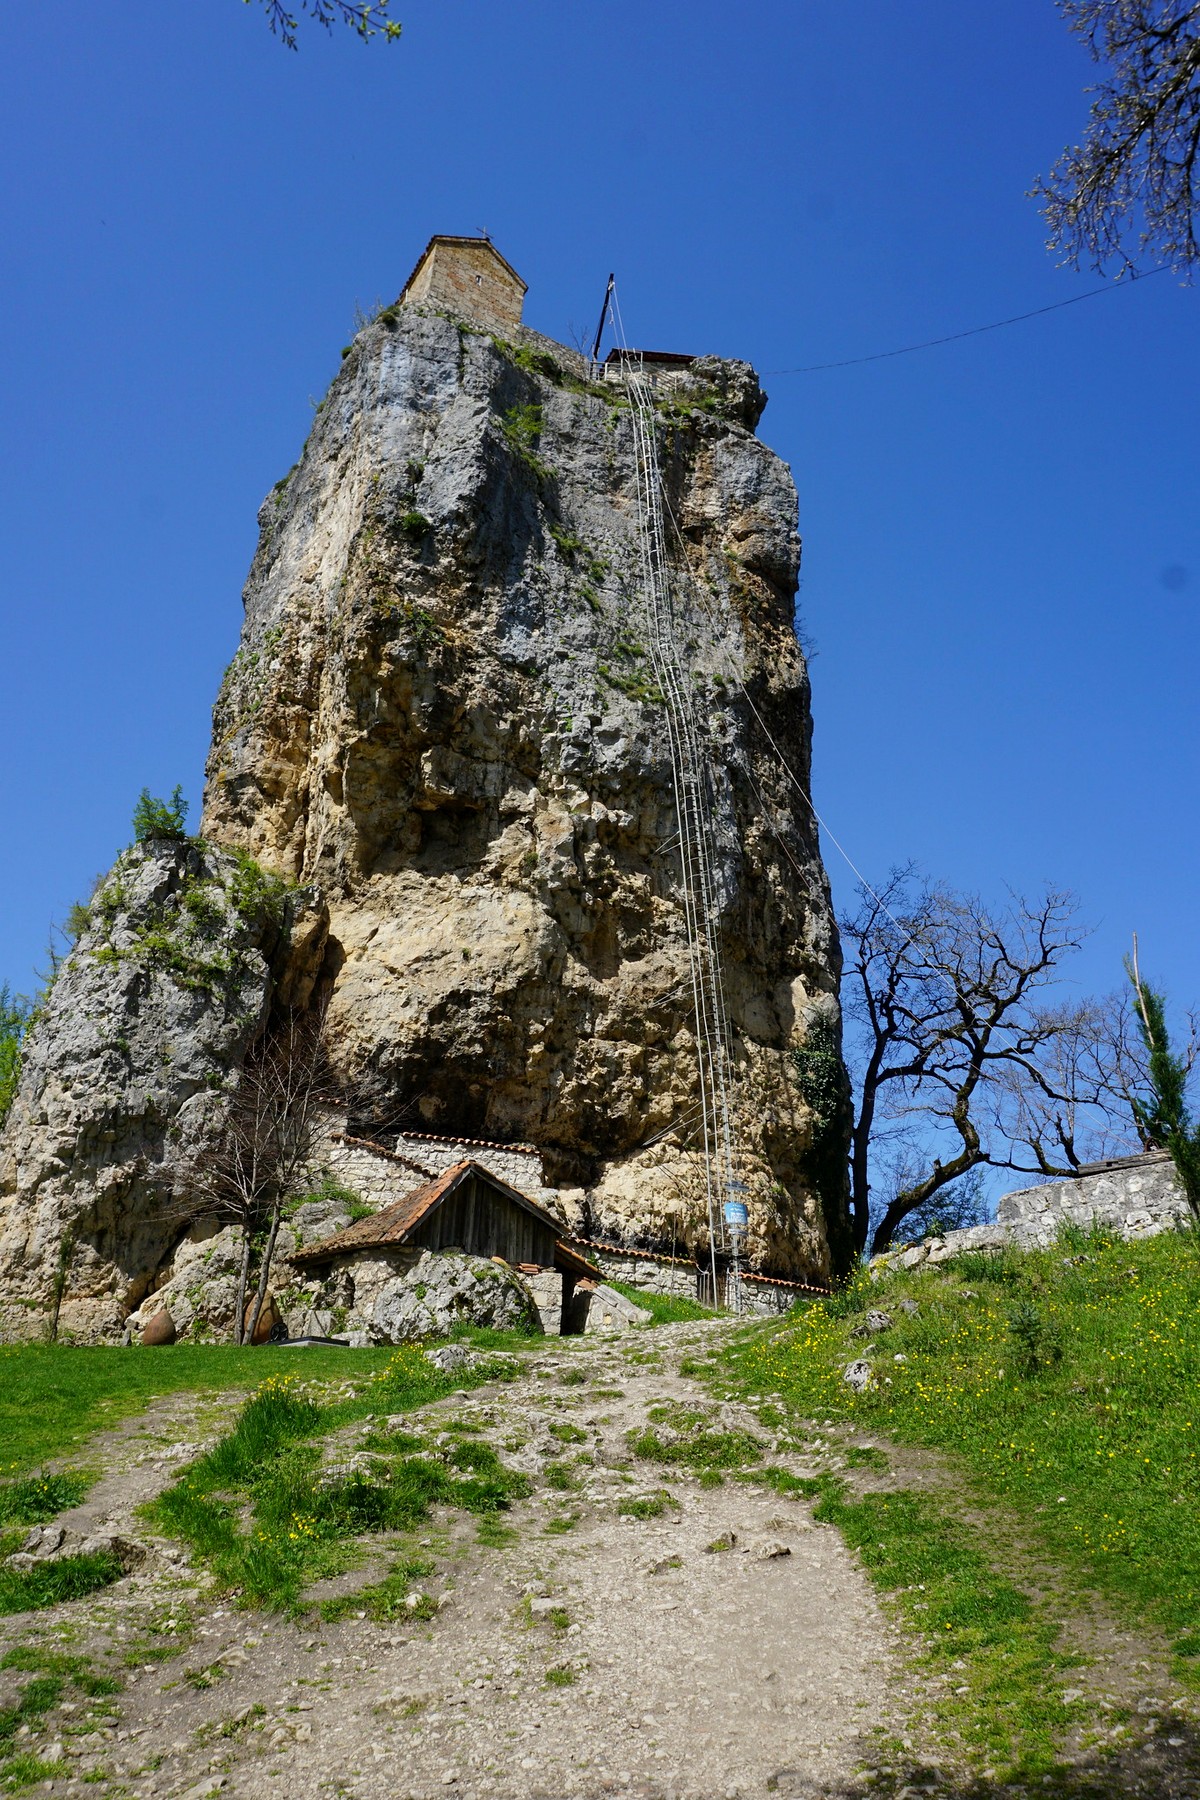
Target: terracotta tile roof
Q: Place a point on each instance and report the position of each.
(393, 1224)
(571, 1263)
(685, 1262)
(442, 1137)
(806, 1287)
(429, 1137)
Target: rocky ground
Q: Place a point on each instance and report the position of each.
(720, 1646)
(630, 1628)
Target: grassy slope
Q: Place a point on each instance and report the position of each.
(54, 1397)
(1096, 1445)
(665, 1309)
(1062, 1387)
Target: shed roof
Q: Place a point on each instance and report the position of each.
(394, 1224)
(674, 357)
(476, 243)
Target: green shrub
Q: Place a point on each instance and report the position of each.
(154, 818)
(14, 1018)
(1037, 1343)
(415, 526)
(522, 428)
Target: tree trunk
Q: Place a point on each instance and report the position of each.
(264, 1272)
(239, 1335)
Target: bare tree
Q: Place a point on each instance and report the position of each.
(266, 1146)
(1136, 169)
(955, 1062)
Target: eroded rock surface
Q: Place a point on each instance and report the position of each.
(443, 733)
(443, 713)
(126, 1075)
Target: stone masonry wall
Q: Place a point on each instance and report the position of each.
(468, 279)
(1134, 1197)
(380, 1176)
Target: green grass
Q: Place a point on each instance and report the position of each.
(54, 1397)
(303, 1528)
(647, 1506)
(1013, 1713)
(665, 1309)
(386, 1599)
(53, 1676)
(50, 1583)
(1067, 1388)
(1062, 1386)
(689, 1439)
(33, 1499)
(566, 1433)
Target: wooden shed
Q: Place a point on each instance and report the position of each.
(465, 1208)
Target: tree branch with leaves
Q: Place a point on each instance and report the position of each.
(1162, 1110)
(366, 18)
(1134, 176)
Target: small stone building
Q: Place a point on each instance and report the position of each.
(469, 1209)
(468, 276)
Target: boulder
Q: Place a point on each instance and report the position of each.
(160, 1329)
(451, 1358)
(200, 1288)
(447, 1288)
(270, 1320)
(606, 1310)
(858, 1375)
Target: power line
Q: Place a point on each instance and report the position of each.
(954, 337)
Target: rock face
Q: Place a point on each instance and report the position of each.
(127, 1071)
(448, 1288)
(442, 714)
(443, 736)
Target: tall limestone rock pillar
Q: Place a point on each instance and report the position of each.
(440, 794)
(443, 715)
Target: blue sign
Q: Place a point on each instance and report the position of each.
(736, 1214)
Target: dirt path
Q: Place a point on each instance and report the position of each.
(619, 1655)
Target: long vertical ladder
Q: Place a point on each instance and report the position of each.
(692, 779)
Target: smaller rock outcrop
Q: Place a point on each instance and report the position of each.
(128, 1070)
(444, 1289)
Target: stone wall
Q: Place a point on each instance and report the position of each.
(1135, 1196)
(380, 1176)
(1132, 1197)
(468, 279)
(653, 1274)
(676, 1278)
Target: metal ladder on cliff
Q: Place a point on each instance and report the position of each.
(692, 781)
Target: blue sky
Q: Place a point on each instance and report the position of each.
(1002, 541)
